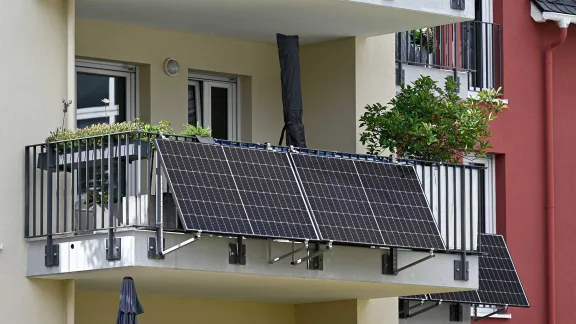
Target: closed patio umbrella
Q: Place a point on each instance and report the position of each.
(288, 52)
(130, 305)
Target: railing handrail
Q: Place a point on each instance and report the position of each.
(471, 47)
(89, 188)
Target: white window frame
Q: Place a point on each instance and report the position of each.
(204, 83)
(111, 110)
(489, 162)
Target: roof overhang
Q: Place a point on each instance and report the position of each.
(563, 20)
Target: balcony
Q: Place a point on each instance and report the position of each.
(469, 51)
(256, 20)
(94, 211)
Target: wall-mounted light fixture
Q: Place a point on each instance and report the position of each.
(171, 67)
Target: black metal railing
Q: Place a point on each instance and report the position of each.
(106, 182)
(472, 47)
(456, 193)
(94, 183)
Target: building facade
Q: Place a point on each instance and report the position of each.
(60, 58)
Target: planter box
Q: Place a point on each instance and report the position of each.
(69, 161)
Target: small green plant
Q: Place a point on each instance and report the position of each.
(423, 37)
(95, 133)
(432, 123)
(191, 130)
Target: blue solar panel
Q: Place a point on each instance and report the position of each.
(365, 202)
(235, 191)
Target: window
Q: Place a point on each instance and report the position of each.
(212, 102)
(96, 81)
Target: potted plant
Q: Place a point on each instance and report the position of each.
(203, 135)
(420, 45)
(69, 152)
(431, 123)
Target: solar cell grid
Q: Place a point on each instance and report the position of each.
(235, 191)
(368, 202)
(499, 281)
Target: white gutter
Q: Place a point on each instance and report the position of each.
(563, 20)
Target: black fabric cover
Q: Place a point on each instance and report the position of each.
(288, 52)
(130, 305)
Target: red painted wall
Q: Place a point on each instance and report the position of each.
(519, 137)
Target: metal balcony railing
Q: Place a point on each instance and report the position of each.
(102, 183)
(472, 47)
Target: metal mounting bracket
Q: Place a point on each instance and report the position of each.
(405, 309)
(461, 271)
(456, 313)
(314, 258)
(319, 252)
(116, 252)
(498, 311)
(390, 262)
(51, 255)
(237, 252)
(315, 263)
(458, 4)
(155, 250)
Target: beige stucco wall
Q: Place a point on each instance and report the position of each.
(356, 311)
(99, 307)
(257, 62)
(32, 86)
(339, 78)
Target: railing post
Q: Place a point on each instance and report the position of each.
(159, 242)
(51, 257)
(27, 192)
(113, 244)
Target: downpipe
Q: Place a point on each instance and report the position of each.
(550, 170)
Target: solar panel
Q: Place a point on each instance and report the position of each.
(468, 297)
(499, 282)
(237, 191)
(415, 297)
(367, 202)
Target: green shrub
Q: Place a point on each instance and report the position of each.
(431, 123)
(191, 130)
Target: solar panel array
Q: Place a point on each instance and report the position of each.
(241, 191)
(499, 282)
(235, 191)
(366, 202)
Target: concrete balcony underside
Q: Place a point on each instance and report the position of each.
(202, 269)
(260, 20)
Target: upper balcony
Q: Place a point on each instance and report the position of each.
(469, 51)
(259, 20)
(93, 204)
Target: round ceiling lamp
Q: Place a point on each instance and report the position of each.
(171, 67)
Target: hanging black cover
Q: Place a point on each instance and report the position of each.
(288, 49)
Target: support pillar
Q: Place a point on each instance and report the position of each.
(354, 311)
(70, 301)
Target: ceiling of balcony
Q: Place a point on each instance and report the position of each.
(212, 285)
(260, 20)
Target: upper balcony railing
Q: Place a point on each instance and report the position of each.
(103, 183)
(472, 47)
